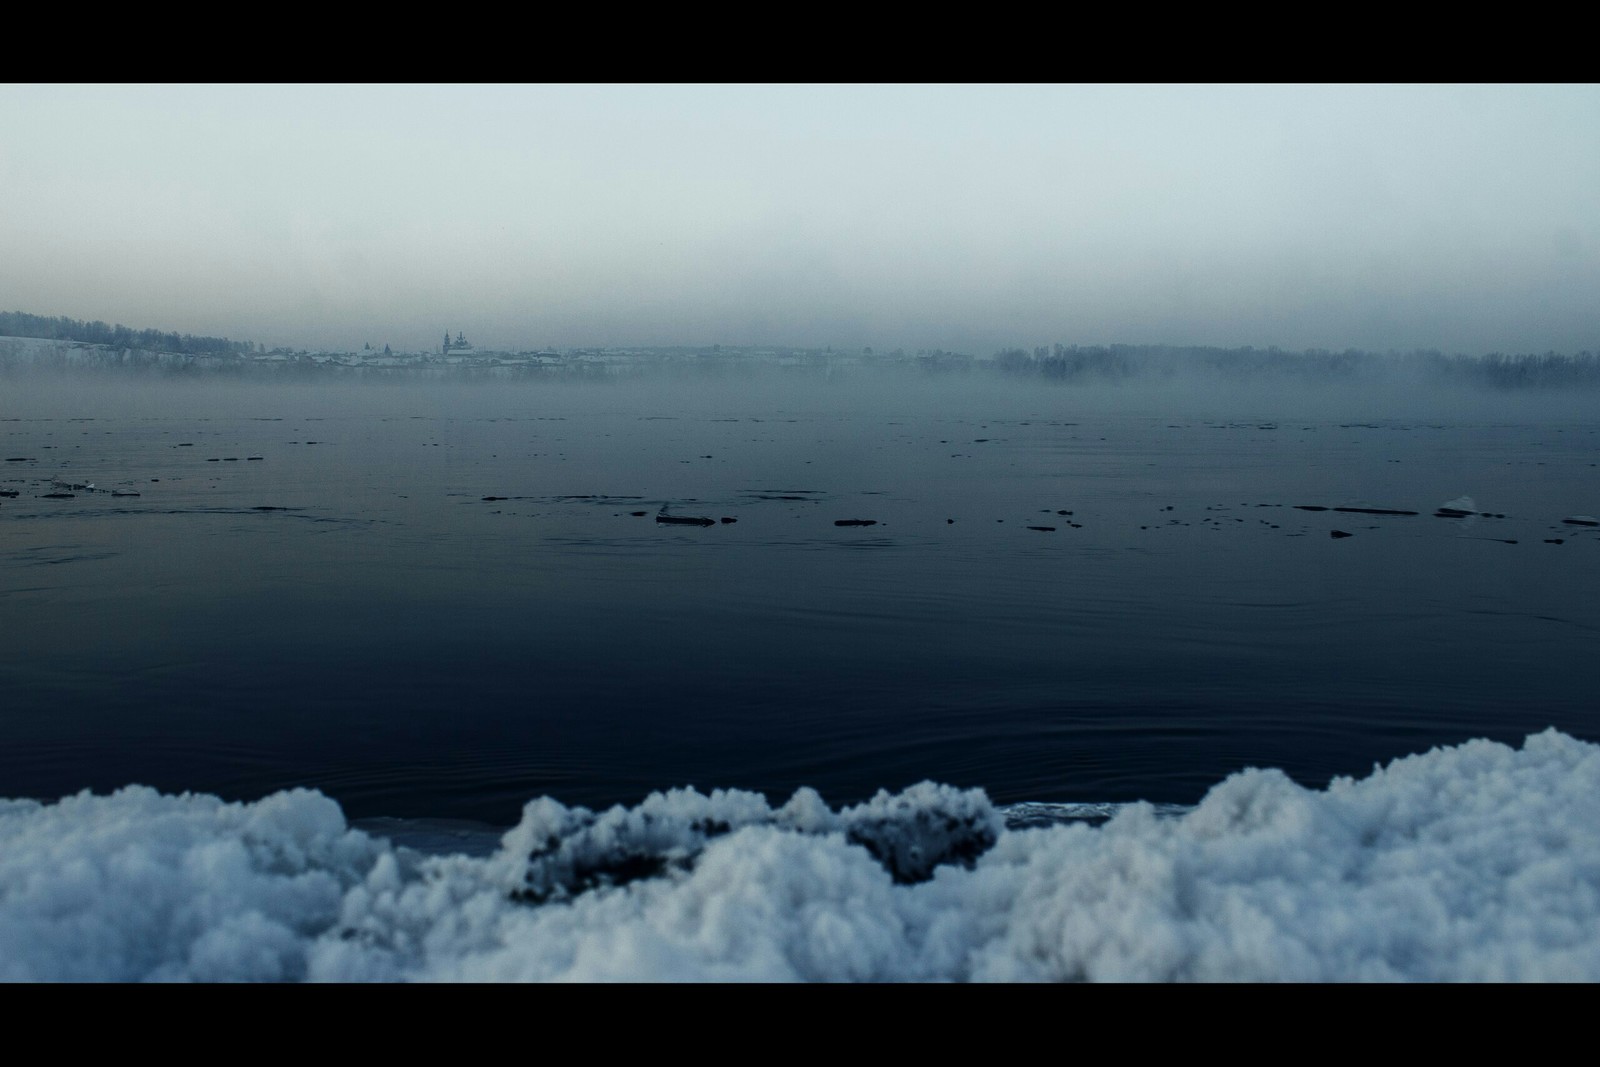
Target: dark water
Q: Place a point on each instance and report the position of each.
(392, 638)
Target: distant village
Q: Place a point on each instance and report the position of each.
(460, 352)
(34, 343)
(458, 357)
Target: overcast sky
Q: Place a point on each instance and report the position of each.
(964, 217)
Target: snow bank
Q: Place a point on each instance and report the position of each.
(1479, 862)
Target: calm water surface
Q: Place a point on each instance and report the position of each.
(391, 637)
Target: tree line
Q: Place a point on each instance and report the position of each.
(60, 328)
(1111, 362)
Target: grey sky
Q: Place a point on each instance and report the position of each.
(1465, 218)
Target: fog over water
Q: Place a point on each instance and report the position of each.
(767, 656)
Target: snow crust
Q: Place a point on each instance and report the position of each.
(1479, 862)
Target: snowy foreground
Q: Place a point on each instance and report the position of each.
(1479, 862)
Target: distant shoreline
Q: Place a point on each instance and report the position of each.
(1058, 364)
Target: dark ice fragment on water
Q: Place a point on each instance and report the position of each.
(685, 520)
(726, 520)
(1339, 533)
(1581, 520)
(1043, 529)
(1376, 511)
(855, 522)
